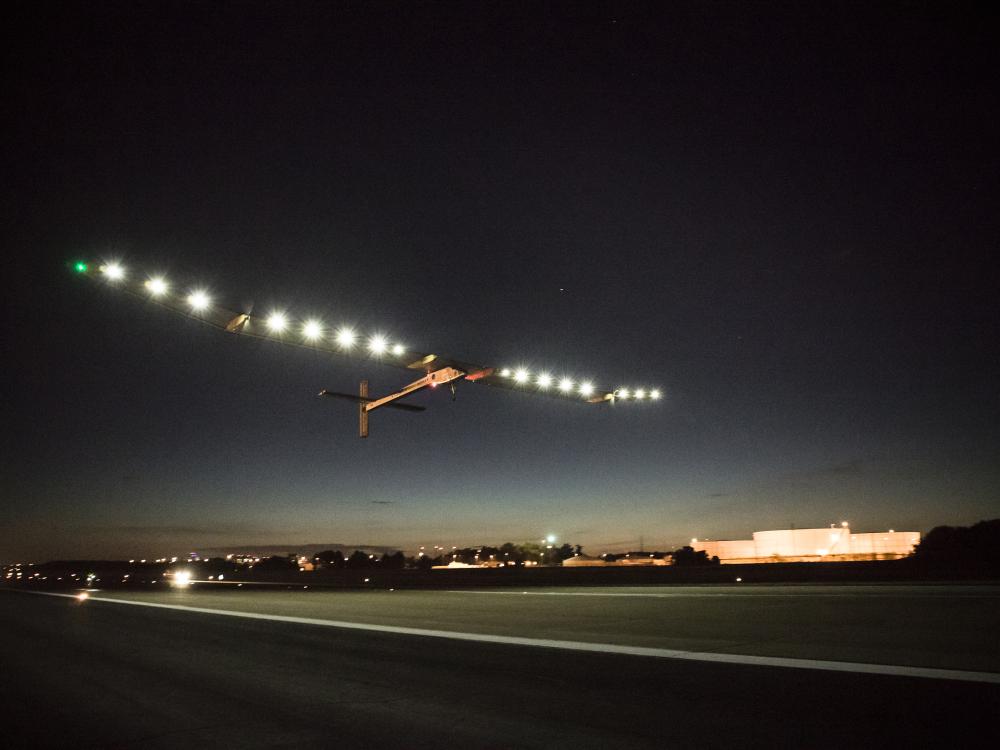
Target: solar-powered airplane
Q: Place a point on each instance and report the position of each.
(437, 370)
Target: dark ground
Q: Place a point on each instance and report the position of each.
(110, 575)
(112, 676)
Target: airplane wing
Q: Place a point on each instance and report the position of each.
(197, 303)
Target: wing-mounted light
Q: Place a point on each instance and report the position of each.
(195, 301)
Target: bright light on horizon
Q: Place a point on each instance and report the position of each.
(377, 344)
(521, 376)
(182, 578)
(157, 286)
(586, 389)
(565, 385)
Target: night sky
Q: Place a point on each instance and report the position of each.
(783, 215)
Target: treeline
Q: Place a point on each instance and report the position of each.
(975, 547)
(359, 560)
(505, 554)
(684, 556)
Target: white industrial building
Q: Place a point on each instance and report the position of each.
(835, 543)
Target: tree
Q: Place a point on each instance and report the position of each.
(330, 558)
(359, 560)
(423, 562)
(687, 556)
(564, 552)
(976, 546)
(395, 561)
(276, 563)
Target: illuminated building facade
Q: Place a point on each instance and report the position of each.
(835, 543)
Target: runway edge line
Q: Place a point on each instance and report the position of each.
(600, 648)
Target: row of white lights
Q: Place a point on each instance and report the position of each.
(312, 330)
(545, 381)
(277, 323)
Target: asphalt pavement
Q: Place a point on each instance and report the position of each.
(109, 675)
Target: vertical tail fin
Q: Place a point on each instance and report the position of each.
(362, 412)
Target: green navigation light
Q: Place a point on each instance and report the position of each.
(80, 267)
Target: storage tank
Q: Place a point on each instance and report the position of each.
(803, 542)
(890, 542)
(726, 549)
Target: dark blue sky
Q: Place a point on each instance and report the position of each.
(782, 215)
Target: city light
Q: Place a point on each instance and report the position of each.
(277, 322)
(640, 394)
(586, 389)
(377, 344)
(182, 578)
(544, 380)
(398, 350)
(623, 393)
(505, 372)
(312, 330)
(157, 286)
(198, 300)
(654, 394)
(521, 376)
(565, 385)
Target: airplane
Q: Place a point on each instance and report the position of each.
(437, 370)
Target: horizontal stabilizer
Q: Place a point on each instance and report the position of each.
(365, 400)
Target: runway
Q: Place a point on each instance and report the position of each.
(108, 674)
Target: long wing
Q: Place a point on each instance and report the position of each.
(196, 303)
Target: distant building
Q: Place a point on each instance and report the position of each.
(630, 559)
(640, 560)
(582, 561)
(833, 544)
(243, 558)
